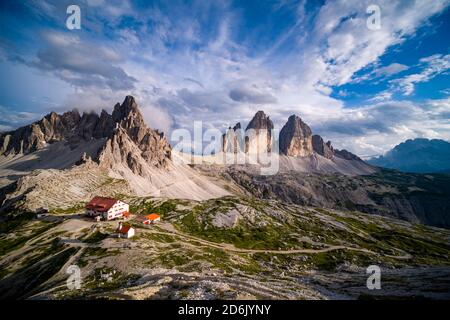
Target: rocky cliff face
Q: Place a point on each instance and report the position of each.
(296, 138)
(257, 137)
(233, 140)
(69, 127)
(53, 127)
(327, 150)
(322, 148)
(416, 198)
(132, 142)
(347, 155)
(259, 134)
(127, 138)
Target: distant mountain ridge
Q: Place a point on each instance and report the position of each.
(417, 155)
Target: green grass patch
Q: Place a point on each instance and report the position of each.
(14, 221)
(163, 238)
(8, 244)
(148, 206)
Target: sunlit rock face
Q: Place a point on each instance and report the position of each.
(256, 139)
(123, 136)
(259, 134)
(233, 140)
(296, 138)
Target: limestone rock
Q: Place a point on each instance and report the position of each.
(232, 140)
(259, 134)
(296, 138)
(132, 142)
(35, 136)
(347, 155)
(322, 148)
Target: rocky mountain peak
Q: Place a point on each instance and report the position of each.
(260, 121)
(123, 136)
(72, 117)
(326, 150)
(296, 138)
(132, 142)
(232, 141)
(258, 137)
(128, 116)
(128, 109)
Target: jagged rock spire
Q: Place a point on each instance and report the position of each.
(296, 138)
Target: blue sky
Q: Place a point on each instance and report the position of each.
(221, 61)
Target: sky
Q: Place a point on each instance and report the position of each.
(366, 89)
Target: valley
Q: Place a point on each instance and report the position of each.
(307, 231)
(226, 248)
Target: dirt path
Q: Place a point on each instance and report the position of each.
(230, 247)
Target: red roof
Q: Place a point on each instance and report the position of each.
(101, 204)
(126, 214)
(123, 230)
(152, 216)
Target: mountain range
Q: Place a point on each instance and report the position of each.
(417, 155)
(295, 139)
(66, 159)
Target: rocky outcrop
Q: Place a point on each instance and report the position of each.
(296, 138)
(347, 155)
(258, 134)
(324, 149)
(69, 127)
(105, 125)
(260, 121)
(412, 197)
(233, 140)
(53, 127)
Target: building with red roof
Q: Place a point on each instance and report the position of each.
(125, 231)
(152, 218)
(107, 208)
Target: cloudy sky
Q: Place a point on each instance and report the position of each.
(221, 61)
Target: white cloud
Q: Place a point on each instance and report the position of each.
(432, 66)
(182, 71)
(72, 59)
(341, 44)
(374, 129)
(12, 119)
